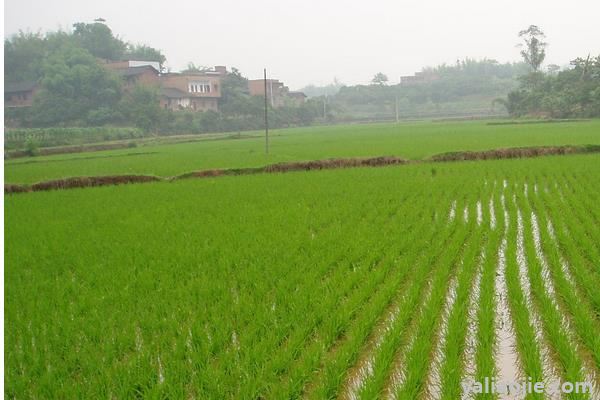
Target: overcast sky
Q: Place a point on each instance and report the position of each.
(309, 41)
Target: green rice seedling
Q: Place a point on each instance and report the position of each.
(551, 316)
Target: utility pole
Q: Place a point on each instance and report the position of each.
(397, 119)
(325, 107)
(266, 117)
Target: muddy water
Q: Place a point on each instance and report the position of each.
(397, 376)
(434, 386)
(363, 369)
(564, 265)
(452, 213)
(492, 214)
(550, 374)
(506, 358)
(473, 326)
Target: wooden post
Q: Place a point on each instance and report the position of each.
(266, 117)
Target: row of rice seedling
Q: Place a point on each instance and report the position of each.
(577, 247)
(364, 283)
(576, 311)
(405, 311)
(555, 325)
(406, 243)
(484, 301)
(345, 354)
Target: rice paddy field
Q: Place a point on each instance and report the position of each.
(415, 140)
(399, 282)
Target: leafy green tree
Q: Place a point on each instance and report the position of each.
(74, 85)
(141, 107)
(235, 98)
(534, 52)
(380, 79)
(23, 57)
(98, 39)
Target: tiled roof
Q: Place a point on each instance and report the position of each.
(15, 87)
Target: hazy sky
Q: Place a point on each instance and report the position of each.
(307, 41)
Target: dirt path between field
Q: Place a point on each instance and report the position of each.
(333, 163)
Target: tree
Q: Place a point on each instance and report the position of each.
(141, 52)
(74, 85)
(534, 52)
(141, 107)
(98, 39)
(553, 69)
(191, 67)
(23, 57)
(235, 98)
(380, 79)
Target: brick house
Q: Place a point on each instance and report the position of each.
(19, 94)
(135, 72)
(276, 90)
(196, 91)
(278, 94)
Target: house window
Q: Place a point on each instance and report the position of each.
(199, 87)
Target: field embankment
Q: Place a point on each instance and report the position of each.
(335, 163)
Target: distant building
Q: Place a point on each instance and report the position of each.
(135, 72)
(418, 78)
(19, 94)
(297, 98)
(196, 91)
(278, 94)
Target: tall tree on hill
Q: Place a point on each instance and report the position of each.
(535, 48)
(98, 39)
(380, 79)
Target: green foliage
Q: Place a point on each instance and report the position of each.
(75, 89)
(98, 39)
(571, 93)
(327, 90)
(31, 146)
(467, 87)
(534, 52)
(380, 79)
(23, 57)
(74, 85)
(48, 137)
(141, 106)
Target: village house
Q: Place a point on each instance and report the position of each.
(19, 94)
(276, 90)
(418, 78)
(136, 72)
(278, 94)
(196, 91)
